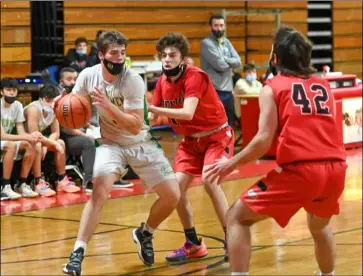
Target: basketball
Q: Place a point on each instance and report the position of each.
(73, 111)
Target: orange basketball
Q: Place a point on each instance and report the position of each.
(73, 111)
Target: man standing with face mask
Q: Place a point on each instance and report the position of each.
(217, 58)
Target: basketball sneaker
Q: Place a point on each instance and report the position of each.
(25, 190)
(145, 245)
(188, 251)
(74, 267)
(67, 186)
(7, 190)
(42, 188)
(122, 184)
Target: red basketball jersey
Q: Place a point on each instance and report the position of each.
(209, 114)
(307, 126)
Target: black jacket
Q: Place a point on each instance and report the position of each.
(76, 61)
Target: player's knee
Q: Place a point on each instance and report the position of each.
(10, 147)
(61, 142)
(169, 192)
(174, 196)
(28, 148)
(231, 215)
(240, 214)
(38, 148)
(317, 225)
(210, 188)
(99, 193)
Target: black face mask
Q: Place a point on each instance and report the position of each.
(68, 88)
(112, 67)
(217, 34)
(173, 72)
(9, 100)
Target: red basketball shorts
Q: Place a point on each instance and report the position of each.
(314, 186)
(194, 153)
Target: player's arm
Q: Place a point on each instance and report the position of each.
(13, 137)
(130, 120)
(32, 115)
(195, 86)
(156, 101)
(267, 129)
(55, 132)
(53, 137)
(185, 113)
(24, 136)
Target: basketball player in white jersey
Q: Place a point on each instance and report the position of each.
(118, 92)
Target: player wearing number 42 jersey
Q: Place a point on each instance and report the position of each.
(297, 109)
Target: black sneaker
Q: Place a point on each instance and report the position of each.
(74, 267)
(122, 184)
(145, 245)
(89, 187)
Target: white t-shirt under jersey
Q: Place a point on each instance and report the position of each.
(11, 116)
(126, 92)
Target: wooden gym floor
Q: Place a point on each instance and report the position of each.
(37, 235)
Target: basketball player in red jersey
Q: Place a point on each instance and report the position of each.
(297, 109)
(186, 95)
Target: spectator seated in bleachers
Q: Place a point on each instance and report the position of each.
(39, 115)
(77, 57)
(249, 83)
(12, 118)
(246, 85)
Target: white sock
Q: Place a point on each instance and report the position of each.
(148, 229)
(79, 244)
(240, 273)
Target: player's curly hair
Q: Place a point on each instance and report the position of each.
(176, 40)
(293, 51)
(110, 37)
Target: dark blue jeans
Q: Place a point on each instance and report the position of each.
(228, 103)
